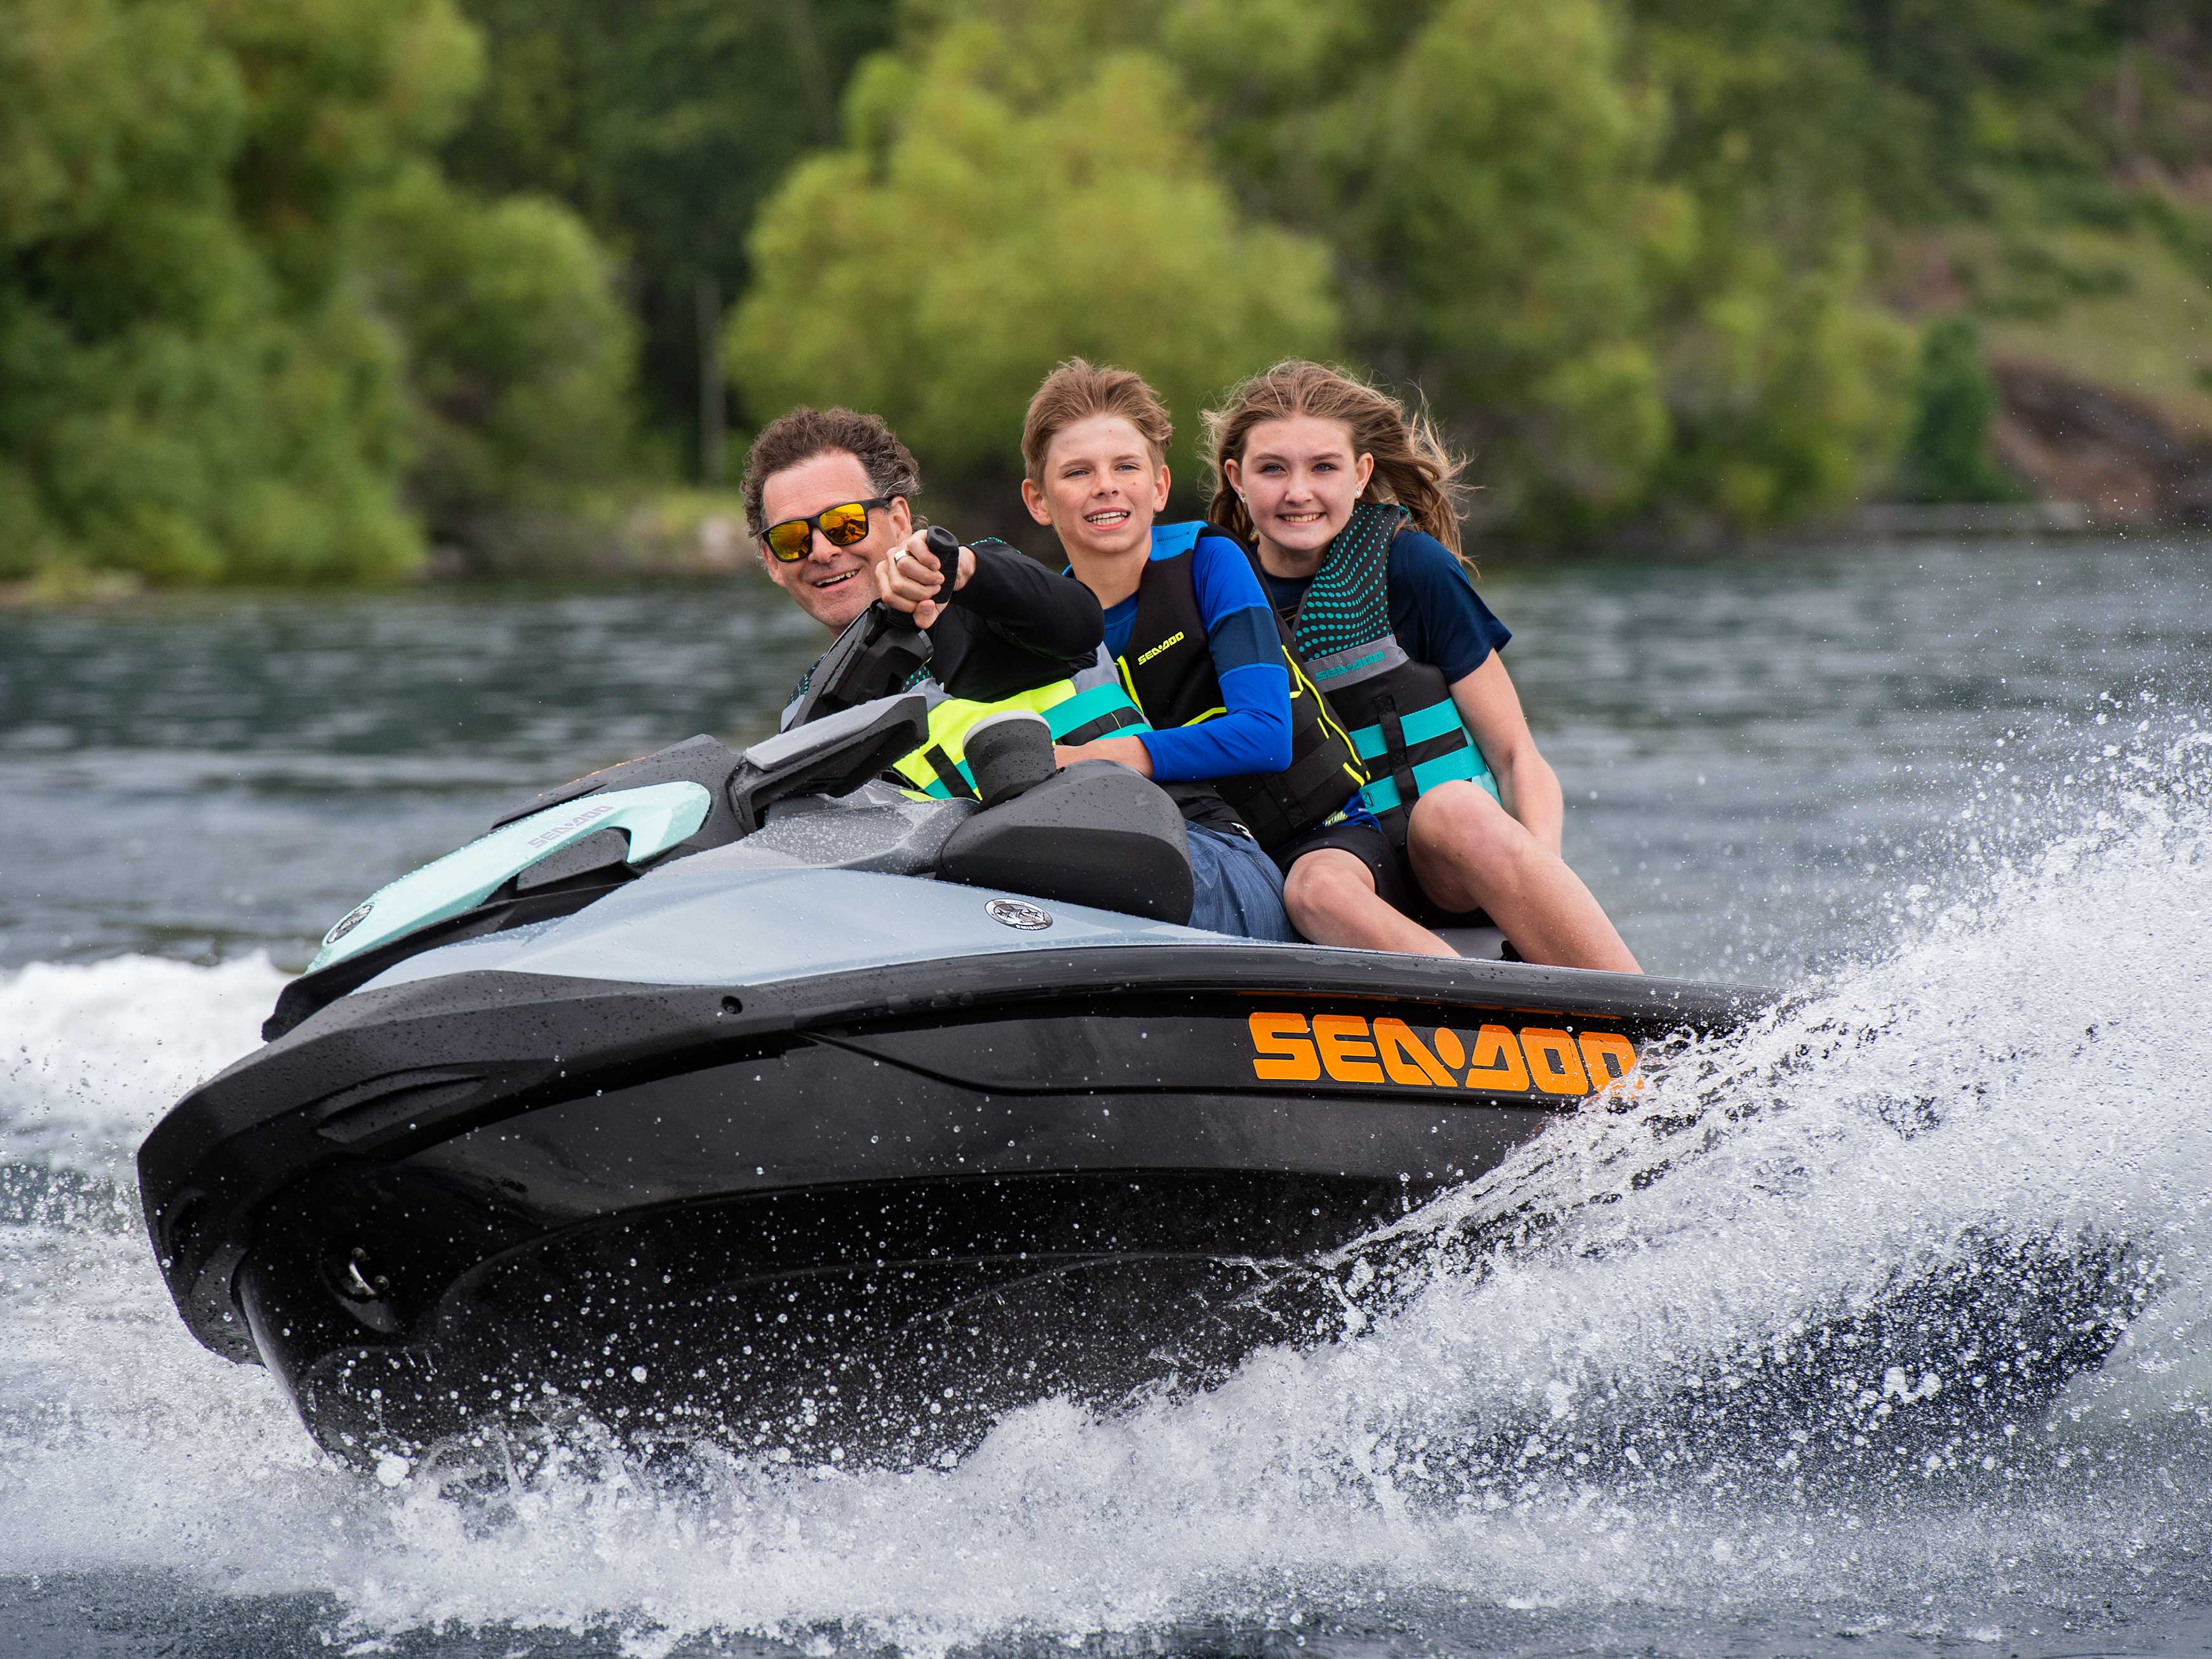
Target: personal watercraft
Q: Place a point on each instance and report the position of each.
(743, 1095)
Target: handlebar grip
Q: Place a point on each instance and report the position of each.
(942, 545)
(944, 548)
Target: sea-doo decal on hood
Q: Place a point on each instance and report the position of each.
(1198, 1043)
(1494, 1059)
(655, 818)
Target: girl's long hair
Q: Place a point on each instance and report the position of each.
(1413, 467)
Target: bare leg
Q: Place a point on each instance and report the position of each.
(1469, 853)
(1332, 899)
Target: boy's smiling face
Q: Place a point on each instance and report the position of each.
(1103, 487)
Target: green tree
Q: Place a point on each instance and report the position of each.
(1947, 458)
(992, 210)
(1502, 210)
(1481, 174)
(518, 355)
(185, 389)
(1624, 302)
(1785, 389)
(197, 381)
(666, 124)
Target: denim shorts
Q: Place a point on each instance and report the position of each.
(1239, 891)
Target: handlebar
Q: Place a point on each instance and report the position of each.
(944, 548)
(880, 648)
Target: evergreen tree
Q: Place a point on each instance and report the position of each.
(1947, 458)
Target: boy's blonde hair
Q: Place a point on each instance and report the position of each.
(1076, 391)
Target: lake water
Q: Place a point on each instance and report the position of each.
(1958, 798)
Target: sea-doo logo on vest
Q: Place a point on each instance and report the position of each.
(1336, 669)
(348, 922)
(1539, 1059)
(1175, 638)
(1015, 913)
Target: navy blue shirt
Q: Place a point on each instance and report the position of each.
(1436, 613)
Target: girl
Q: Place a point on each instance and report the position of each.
(1351, 508)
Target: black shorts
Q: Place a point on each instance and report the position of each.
(1387, 862)
(1371, 845)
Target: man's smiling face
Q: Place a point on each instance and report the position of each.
(832, 584)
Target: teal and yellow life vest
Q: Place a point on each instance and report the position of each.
(1089, 705)
(1167, 668)
(1403, 722)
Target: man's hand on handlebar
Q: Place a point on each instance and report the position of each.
(910, 580)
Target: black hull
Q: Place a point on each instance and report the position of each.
(860, 1214)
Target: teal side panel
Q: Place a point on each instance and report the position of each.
(655, 818)
(1420, 727)
(1088, 705)
(1381, 795)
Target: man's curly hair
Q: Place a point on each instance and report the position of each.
(802, 434)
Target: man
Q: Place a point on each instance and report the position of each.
(828, 498)
(1008, 625)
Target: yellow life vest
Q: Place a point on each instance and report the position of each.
(1087, 706)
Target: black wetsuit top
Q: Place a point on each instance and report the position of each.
(1014, 627)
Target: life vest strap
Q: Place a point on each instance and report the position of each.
(948, 774)
(1384, 795)
(1394, 739)
(1438, 720)
(1093, 713)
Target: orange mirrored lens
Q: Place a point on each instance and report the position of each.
(843, 526)
(788, 540)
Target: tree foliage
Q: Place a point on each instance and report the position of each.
(1947, 457)
(519, 355)
(1614, 310)
(992, 210)
(196, 380)
(1623, 310)
(666, 124)
(286, 285)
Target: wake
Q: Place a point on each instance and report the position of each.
(1895, 1299)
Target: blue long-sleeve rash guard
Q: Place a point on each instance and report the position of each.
(1254, 732)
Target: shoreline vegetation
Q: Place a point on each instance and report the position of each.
(704, 566)
(437, 289)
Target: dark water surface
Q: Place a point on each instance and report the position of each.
(1955, 796)
(1745, 742)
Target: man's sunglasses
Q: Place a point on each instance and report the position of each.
(841, 526)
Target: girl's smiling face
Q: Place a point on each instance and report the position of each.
(1103, 487)
(1300, 478)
